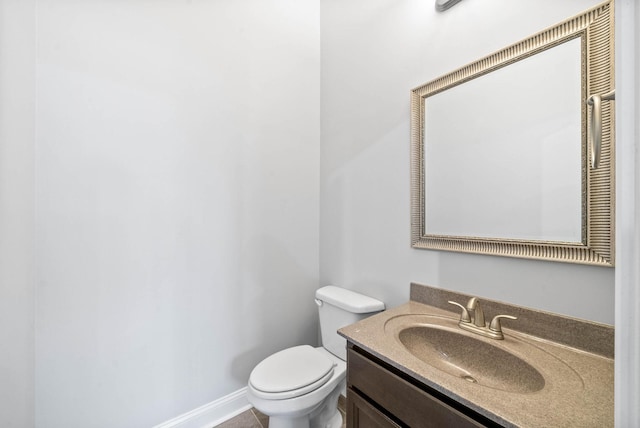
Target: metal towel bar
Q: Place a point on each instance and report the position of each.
(595, 101)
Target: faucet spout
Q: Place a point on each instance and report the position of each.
(477, 324)
(478, 314)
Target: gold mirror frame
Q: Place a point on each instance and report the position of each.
(595, 28)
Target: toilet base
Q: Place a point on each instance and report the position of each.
(334, 421)
(280, 422)
(326, 415)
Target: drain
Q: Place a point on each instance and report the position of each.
(469, 379)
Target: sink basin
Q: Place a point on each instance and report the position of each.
(474, 360)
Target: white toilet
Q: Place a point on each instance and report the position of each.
(299, 387)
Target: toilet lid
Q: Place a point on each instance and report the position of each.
(291, 372)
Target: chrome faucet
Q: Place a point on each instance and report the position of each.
(477, 324)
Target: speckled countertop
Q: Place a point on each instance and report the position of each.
(575, 358)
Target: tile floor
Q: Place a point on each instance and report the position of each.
(254, 419)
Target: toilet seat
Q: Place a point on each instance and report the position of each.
(291, 373)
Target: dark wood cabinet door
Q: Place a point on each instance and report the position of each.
(361, 414)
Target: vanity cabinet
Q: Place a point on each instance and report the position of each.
(379, 396)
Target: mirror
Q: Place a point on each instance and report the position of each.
(501, 149)
(525, 160)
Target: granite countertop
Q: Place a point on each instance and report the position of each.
(578, 369)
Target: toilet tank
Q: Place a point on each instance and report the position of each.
(339, 307)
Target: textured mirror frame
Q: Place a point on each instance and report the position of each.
(595, 28)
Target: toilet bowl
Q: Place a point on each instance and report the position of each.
(297, 405)
(299, 387)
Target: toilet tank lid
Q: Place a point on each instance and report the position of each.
(349, 300)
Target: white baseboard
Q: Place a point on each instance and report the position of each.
(211, 414)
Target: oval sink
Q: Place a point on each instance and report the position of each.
(473, 360)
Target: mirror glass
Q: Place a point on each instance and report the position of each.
(500, 149)
(503, 152)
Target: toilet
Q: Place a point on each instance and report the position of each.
(299, 387)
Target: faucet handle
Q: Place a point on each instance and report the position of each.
(495, 322)
(464, 316)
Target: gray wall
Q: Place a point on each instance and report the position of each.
(373, 53)
(177, 202)
(17, 107)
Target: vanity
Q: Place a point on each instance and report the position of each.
(415, 366)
